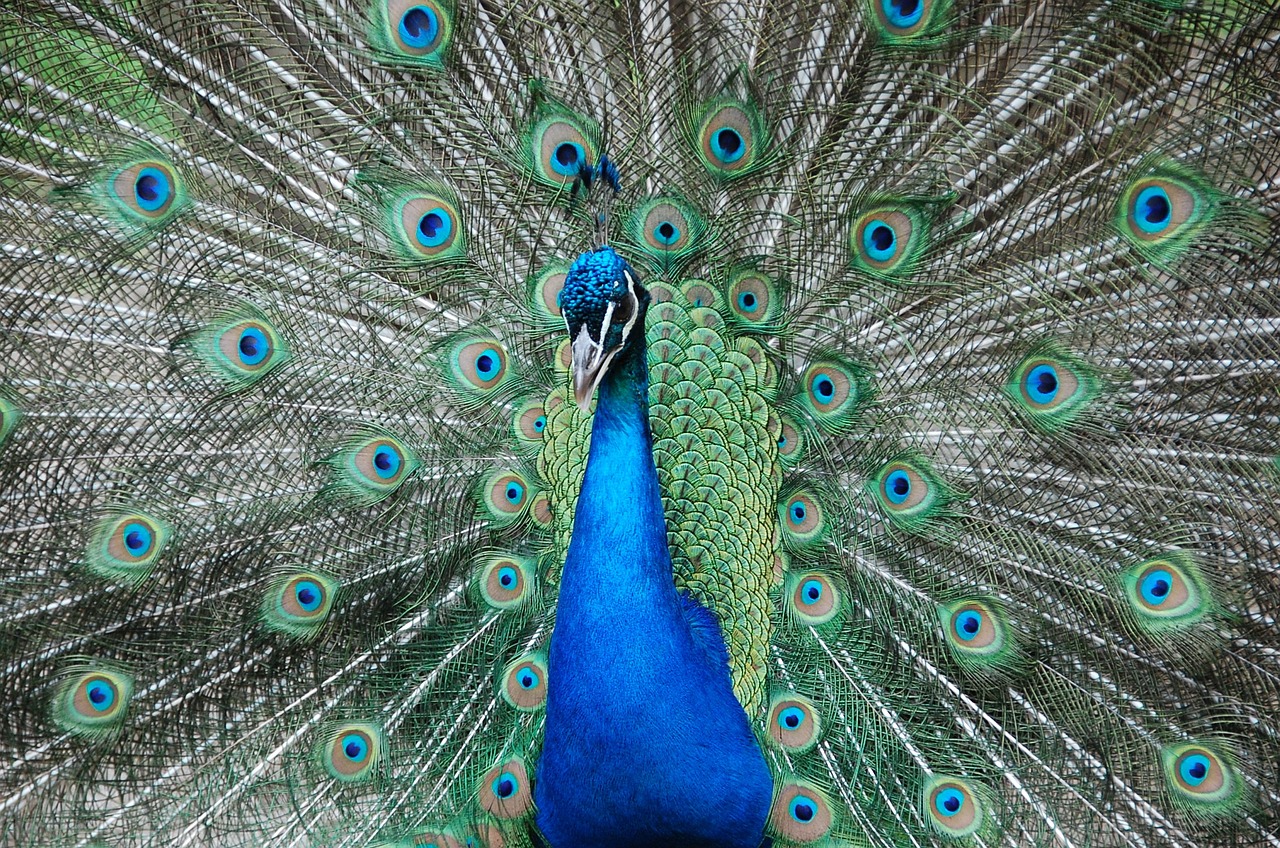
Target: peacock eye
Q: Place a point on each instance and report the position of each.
(430, 227)
(883, 241)
(148, 190)
(413, 32)
(524, 683)
(793, 723)
(91, 701)
(952, 807)
(814, 600)
(730, 134)
(369, 468)
(560, 146)
(1167, 594)
(801, 814)
(902, 20)
(1203, 778)
(505, 791)
(352, 751)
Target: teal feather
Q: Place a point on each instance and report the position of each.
(964, 403)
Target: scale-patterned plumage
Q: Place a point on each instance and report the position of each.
(965, 389)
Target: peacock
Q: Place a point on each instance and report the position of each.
(711, 424)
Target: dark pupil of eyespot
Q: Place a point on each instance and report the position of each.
(382, 459)
(527, 680)
(148, 188)
(729, 141)
(506, 580)
(952, 804)
(430, 224)
(748, 300)
(352, 749)
(512, 493)
(666, 230)
(484, 363)
(1157, 209)
(970, 625)
(901, 486)
(1160, 588)
(803, 812)
(97, 694)
(306, 596)
(792, 721)
(906, 8)
(1198, 770)
(566, 154)
(826, 388)
(133, 540)
(1046, 383)
(506, 787)
(814, 593)
(416, 22)
(248, 345)
(882, 237)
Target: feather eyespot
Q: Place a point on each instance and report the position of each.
(352, 751)
(1052, 389)
(524, 683)
(790, 442)
(297, 604)
(885, 241)
(666, 229)
(814, 599)
(91, 701)
(530, 423)
(802, 520)
(430, 226)
(979, 635)
(147, 190)
(505, 496)
(1158, 208)
(412, 32)
(544, 290)
(800, 813)
(793, 723)
(561, 145)
(729, 138)
(754, 300)
(906, 20)
(1203, 779)
(369, 468)
(505, 581)
(952, 807)
(909, 492)
(125, 547)
(1167, 594)
(504, 790)
(479, 366)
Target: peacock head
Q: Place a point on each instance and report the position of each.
(603, 306)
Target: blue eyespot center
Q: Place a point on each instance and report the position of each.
(253, 346)
(948, 802)
(797, 512)
(1153, 209)
(1042, 384)
(419, 27)
(727, 145)
(386, 461)
(810, 592)
(1156, 586)
(355, 747)
(505, 785)
(1194, 769)
(309, 595)
(791, 718)
(528, 679)
(666, 233)
(137, 539)
(488, 365)
(540, 423)
(151, 189)
(968, 624)
(824, 388)
(879, 240)
(514, 493)
(508, 577)
(568, 158)
(748, 302)
(803, 808)
(435, 228)
(902, 13)
(897, 487)
(101, 695)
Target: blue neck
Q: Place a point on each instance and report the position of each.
(630, 685)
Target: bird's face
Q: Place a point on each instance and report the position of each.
(603, 306)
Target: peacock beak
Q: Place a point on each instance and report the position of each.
(590, 362)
